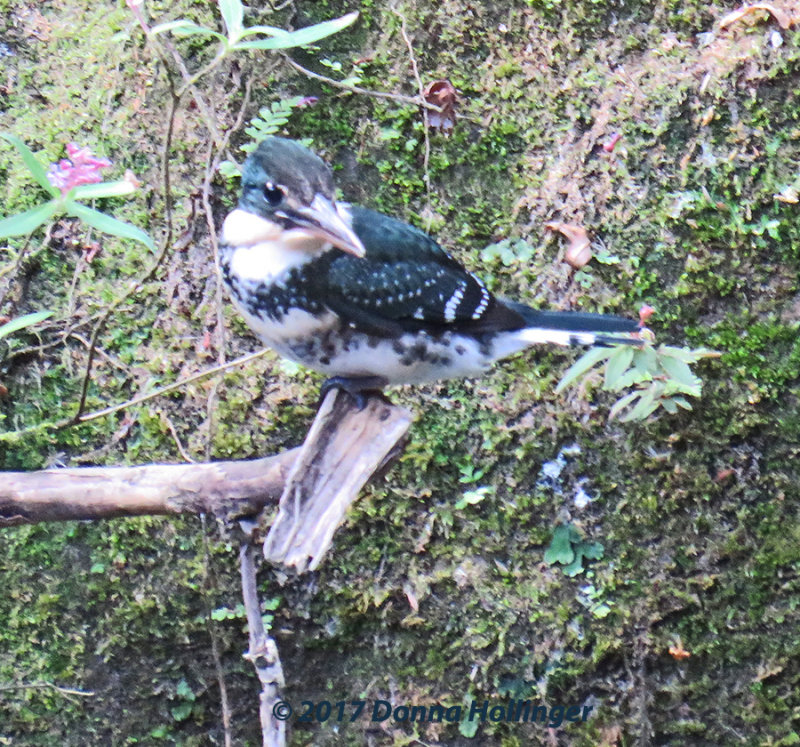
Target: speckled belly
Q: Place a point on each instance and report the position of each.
(320, 342)
(413, 358)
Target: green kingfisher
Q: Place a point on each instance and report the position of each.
(364, 298)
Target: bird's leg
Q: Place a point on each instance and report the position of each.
(360, 388)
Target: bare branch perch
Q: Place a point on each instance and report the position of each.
(343, 449)
(240, 488)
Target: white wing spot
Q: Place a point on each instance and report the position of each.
(484, 302)
(452, 305)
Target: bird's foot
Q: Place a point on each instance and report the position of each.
(360, 388)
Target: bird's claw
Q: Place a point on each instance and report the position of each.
(360, 388)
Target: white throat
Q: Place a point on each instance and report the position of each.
(263, 251)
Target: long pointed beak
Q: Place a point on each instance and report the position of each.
(325, 220)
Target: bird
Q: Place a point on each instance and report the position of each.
(366, 299)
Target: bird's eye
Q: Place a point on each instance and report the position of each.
(273, 194)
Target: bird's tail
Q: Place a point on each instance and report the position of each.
(574, 327)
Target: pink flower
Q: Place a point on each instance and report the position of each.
(82, 167)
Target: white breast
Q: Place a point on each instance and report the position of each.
(266, 262)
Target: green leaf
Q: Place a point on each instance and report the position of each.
(617, 365)
(575, 567)
(681, 373)
(468, 727)
(646, 406)
(21, 322)
(184, 691)
(681, 402)
(38, 171)
(604, 258)
(621, 404)
(29, 221)
(301, 37)
(268, 30)
(672, 387)
(645, 359)
(262, 131)
(669, 406)
(107, 224)
(686, 355)
(229, 169)
(233, 15)
(601, 610)
(582, 365)
(592, 550)
(182, 27)
(222, 613)
(633, 376)
(560, 550)
(103, 189)
(352, 81)
(182, 711)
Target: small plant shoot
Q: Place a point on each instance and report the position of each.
(661, 377)
(237, 36)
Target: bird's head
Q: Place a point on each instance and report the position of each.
(287, 196)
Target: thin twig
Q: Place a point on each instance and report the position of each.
(215, 155)
(174, 433)
(102, 353)
(263, 653)
(165, 161)
(220, 326)
(49, 686)
(134, 288)
(21, 255)
(13, 435)
(157, 44)
(426, 122)
(414, 100)
(188, 83)
(42, 329)
(166, 389)
(209, 583)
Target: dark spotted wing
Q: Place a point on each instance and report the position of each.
(406, 281)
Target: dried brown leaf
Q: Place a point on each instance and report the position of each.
(443, 94)
(788, 195)
(413, 602)
(784, 19)
(679, 652)
(579, 249)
